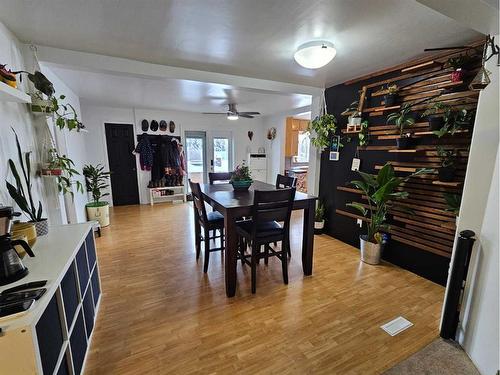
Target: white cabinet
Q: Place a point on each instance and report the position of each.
(258, 166)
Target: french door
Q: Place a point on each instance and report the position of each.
(208, 152)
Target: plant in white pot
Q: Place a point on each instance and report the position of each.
(319, 218)
(379, 191)
(21, 192)
(97, 180)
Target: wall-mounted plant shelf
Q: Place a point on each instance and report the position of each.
(10, 94)
(404, 151)
(344, 131)
(426, 64)
(451, 184)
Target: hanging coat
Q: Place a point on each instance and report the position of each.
(145, 152)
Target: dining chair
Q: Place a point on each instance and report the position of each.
(219, 176)
(210, 221)
(285, 181)
(269, 208)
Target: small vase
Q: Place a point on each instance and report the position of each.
(241, 185)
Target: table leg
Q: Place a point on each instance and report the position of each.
(230, 256)
(308, 239)
(197, 232)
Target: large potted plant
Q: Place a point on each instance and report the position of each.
(319, 218)
(21, 192)
(97, 180)
(446, 172)
(321, 129)
(241, 179)
(379, 191)
(402, 120)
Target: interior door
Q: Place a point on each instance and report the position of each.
(122, 163)
(220, 151)
(196, 156)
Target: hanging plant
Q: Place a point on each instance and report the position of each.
(323, 127)
(363, 135)
(63, 168)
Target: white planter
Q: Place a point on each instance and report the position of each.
(100, 214)
(319, 224)
(370, 252)
(354, 121)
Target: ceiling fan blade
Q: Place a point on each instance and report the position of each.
(444, 48)
(249, 113)
(243, 114)
(215, 113)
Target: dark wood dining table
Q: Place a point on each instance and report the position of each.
(236, 204)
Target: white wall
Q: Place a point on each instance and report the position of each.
(95, 116)
(478, 332)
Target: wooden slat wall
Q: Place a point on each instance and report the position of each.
(431, 228)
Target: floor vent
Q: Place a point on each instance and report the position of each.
(396, 326)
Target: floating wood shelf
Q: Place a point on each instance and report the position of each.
(348, 113)
(441, 183)
(399, 169)
(404, 151)
(349, 214)
(381, 109)
(344, 131)
(419, 66)
(10, 94)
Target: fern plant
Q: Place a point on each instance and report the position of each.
(21, 192)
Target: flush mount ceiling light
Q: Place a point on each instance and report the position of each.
(315, 54)
(232, 116)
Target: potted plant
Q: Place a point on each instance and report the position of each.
(379, 190)
(241, 178)
(458, 63)
(391, 97)
(21, 192)
(454, 121)
(453, 202)
(63, 168)
(402, 120)
(319, 218)
(354, 119)
(447, 170)
(435, 119)
(323, 127)
(97, 180)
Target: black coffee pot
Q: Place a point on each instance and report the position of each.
(11, 266)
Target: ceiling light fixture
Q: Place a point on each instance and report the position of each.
(315, 54)
(232, 116)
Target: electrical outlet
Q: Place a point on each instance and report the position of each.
(359, 222)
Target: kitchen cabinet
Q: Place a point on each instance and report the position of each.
(293, 127)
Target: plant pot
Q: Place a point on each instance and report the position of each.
(354, 121)
(51, 172)
(42, 227)
(98, 213)
(404, 142)
(446, 174)
(41, 105)
(370, 252)
(241, 185)
(457, 75)
(319, 226)
(25, 229)
(390, 99)
(435, 122)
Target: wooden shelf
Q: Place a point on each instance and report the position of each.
(10, 94)
(441, 183)
(404, 151)
(344, 131)
(419, 66)
(381, 109)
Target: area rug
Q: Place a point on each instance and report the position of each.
(438, 358)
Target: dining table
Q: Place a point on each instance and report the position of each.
(234, 205)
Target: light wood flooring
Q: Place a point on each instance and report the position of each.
(161, 315)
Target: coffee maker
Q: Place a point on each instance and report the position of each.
(11, 266)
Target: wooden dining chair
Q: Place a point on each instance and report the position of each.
(219, 176)
(269, 208)
(210, 222)
(285, 181)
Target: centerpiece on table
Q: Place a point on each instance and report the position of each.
(241, 178)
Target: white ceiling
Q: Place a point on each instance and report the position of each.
(125, 91)
(253, 38)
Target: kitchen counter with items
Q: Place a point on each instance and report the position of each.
(53, 336)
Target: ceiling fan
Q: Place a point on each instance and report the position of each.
(233, 114)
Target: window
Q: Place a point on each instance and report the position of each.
(221, 155)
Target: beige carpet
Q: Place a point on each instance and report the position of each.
(438, 358)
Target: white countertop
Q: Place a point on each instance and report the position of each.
(53, 255)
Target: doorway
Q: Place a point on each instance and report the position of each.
(221, 151)
(196, 156)
(122, 163)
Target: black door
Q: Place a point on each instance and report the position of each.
(122, 165)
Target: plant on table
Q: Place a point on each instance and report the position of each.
(241, 179)
(380, 190)
(22, 191)
(402, 120)
(321, 130)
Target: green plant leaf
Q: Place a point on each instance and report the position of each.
(358, 207)
(385, 174)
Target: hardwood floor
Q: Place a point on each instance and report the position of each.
(161, 315)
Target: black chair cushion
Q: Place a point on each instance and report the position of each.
(266, 229)
(214, 216)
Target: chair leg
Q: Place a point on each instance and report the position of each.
(241, 250)
(254, 268)
(198, 245)
(222, 243)
(207, 251)
(284, 262)
(266, 256)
